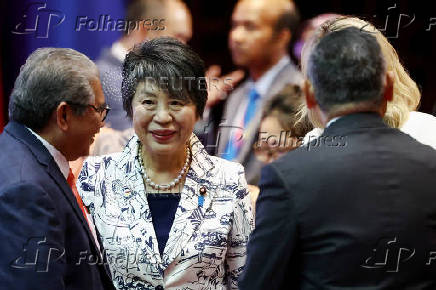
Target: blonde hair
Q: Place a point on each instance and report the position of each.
(406, 93)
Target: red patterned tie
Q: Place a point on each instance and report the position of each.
(71, 182)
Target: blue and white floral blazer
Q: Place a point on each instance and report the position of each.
(206, 248)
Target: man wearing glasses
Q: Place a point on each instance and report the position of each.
(47, 239)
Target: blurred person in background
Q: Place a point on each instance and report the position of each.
(259, 39)
(279, 117)
(280, 129)
(306, 29)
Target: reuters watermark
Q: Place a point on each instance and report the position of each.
(190, 83)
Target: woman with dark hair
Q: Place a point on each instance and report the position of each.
(168, 214)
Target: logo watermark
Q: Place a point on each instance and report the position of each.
(389, 254)
(37, 255)
(394, 22)
(37, 20)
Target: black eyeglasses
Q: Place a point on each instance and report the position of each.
(103, 110)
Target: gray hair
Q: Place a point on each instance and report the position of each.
(347, 67)
(50, 76)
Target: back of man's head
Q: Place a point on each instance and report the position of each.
(50, 76)
(346, 67)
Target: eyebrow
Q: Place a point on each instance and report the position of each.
(147, 92)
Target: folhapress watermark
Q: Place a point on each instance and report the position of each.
(105, 23)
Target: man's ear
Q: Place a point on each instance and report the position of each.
(309, 95)
(389, 87)
(63, 113)
(285, 36)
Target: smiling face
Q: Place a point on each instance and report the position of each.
(162, 123)
(85, 126)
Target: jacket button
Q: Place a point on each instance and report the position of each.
(160, 287)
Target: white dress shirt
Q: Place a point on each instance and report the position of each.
(422, 127)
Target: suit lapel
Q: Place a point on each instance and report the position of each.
(288, 74)
(191, 211)
(57, 176)
(41, 153)
(229, 124)
(132, 172)
(189, 214)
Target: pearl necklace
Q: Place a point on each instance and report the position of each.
(174, 182)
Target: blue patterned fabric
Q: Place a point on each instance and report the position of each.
(206, 247)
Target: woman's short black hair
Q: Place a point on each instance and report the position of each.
(172, 65)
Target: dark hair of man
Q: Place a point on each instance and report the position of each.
(346, 67)
(285, 106)
(140, 10)
(165, 58)
(50, 76)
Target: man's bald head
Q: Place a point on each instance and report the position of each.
(282, 14)
(261, 32)
(158, 18)
(179, 20)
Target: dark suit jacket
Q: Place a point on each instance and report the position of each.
(356, 210)
(45, 243)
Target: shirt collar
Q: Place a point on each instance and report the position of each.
(263, 84)
(58, 157)
(333, 120)
(118, 51)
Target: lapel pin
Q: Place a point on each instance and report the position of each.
(201, 196)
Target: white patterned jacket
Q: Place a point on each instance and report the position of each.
(206, 248)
